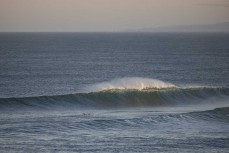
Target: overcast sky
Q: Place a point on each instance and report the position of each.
(107, 15)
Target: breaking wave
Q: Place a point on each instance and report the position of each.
(125, 93)
(112, 99)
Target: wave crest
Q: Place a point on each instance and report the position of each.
(136, 83)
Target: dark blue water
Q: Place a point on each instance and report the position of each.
(54, 64)
(114, 92)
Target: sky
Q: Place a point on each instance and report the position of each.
(107, 15)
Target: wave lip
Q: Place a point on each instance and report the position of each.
(135, 83)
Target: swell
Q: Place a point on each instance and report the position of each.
(166, 120)
(162, 120)
(125, 98)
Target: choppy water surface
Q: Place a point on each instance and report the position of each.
(58, 92)
(115, 131)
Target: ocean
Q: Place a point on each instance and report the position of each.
(114, 92)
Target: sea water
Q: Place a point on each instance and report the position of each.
(114, 92)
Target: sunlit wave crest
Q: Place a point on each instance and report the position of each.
(136, 83)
